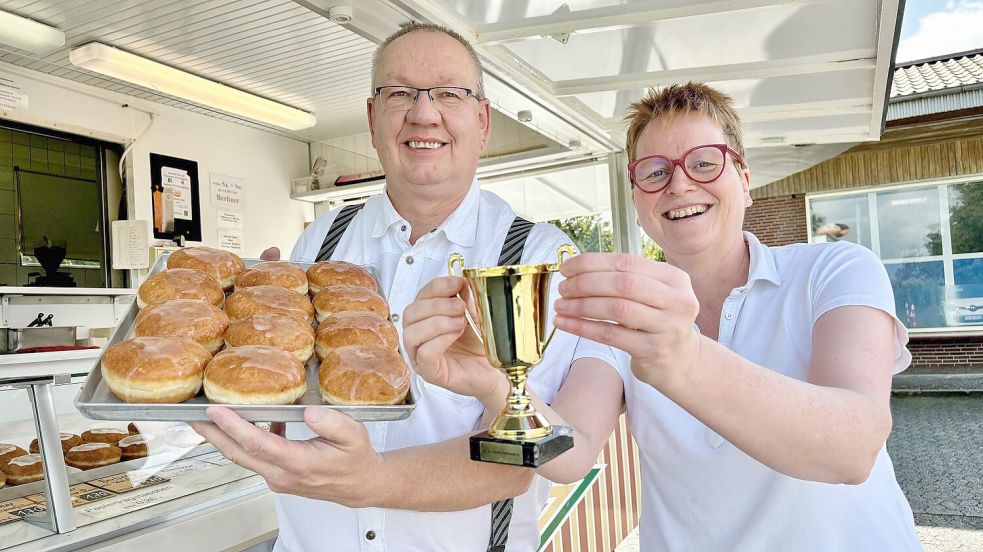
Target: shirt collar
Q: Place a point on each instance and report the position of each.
(459, 227)
(762, 266)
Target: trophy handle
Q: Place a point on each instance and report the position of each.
(458, 259)
(570, 252)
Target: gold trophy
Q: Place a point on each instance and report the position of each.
(513, 304)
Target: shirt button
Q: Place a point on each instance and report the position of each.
(403, 228)
(370, 535)
(409, 260)
(729, 315)
(395, 317)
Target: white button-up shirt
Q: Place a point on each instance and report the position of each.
(699, 492)
(379, 237)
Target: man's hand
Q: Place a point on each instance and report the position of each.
(443, 348)
(339, 465)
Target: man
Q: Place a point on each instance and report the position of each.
(429, 122)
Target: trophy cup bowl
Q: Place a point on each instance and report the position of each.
(512, 304)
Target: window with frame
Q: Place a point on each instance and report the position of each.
(929, 237)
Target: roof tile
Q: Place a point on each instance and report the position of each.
(938, 74)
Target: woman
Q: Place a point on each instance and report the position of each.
(756, 379)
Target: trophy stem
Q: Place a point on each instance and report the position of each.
(519, 420)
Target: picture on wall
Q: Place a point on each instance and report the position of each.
(176, 209)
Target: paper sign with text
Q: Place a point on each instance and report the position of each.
(228, 192)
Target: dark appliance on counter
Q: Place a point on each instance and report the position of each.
(50, 256)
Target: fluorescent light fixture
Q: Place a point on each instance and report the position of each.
(26, 34)
(141, 71)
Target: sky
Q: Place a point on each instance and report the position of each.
(937, 27)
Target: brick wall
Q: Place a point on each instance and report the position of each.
(956, 354)
(777, 220)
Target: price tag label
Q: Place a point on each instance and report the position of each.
(123, 482)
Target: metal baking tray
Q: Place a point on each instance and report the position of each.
(97, 402)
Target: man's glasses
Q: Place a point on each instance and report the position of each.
(701, 164)
(402, 98)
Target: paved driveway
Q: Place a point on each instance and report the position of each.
(937, 449)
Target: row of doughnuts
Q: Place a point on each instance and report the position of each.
(268, 312)
(94, 448)
(192, 272)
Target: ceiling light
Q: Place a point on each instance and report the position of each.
(141, 71)
(26, 34)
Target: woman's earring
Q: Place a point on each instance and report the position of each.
(748, 202)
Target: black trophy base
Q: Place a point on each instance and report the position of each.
(530, 454)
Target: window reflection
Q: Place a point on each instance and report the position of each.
(909, 223)
(966, 217)
(841, 219)
(919, 289)
(908, 226)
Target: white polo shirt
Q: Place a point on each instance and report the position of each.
(700, 493)
(379, 237)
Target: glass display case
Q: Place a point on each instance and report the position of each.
(69, 493)
(170, 488)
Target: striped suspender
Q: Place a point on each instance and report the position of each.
(501, 511)
(338, 227)
(515, 240)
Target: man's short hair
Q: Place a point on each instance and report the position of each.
(432, 28)
(680, 99)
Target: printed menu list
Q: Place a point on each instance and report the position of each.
(82, 494)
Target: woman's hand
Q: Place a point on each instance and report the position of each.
(444, 350)
(642, 307)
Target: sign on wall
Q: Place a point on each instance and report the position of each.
(228, 192)
(12, 96)
(175, 198)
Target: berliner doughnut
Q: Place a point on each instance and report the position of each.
(3, 479)
(134, 446)
(274, 273)
(109, 435)
(24, 469)
(179, 283)
(340, 298)
(93, 455)
(68, 440)
(336, 273)
(196, 320)
(254, 300)
(362, 375)
(276, 330)
(255, 374)
(221, 265)
(354, 328)
(8, 451)
(155, 369)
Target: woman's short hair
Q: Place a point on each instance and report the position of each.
(680, 99)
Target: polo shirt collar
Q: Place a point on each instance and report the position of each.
(762, 265)
(459, 228)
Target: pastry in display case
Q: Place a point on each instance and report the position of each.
(118, 474)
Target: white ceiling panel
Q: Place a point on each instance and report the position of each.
(801, 71)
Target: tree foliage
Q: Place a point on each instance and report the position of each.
(592, 233)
